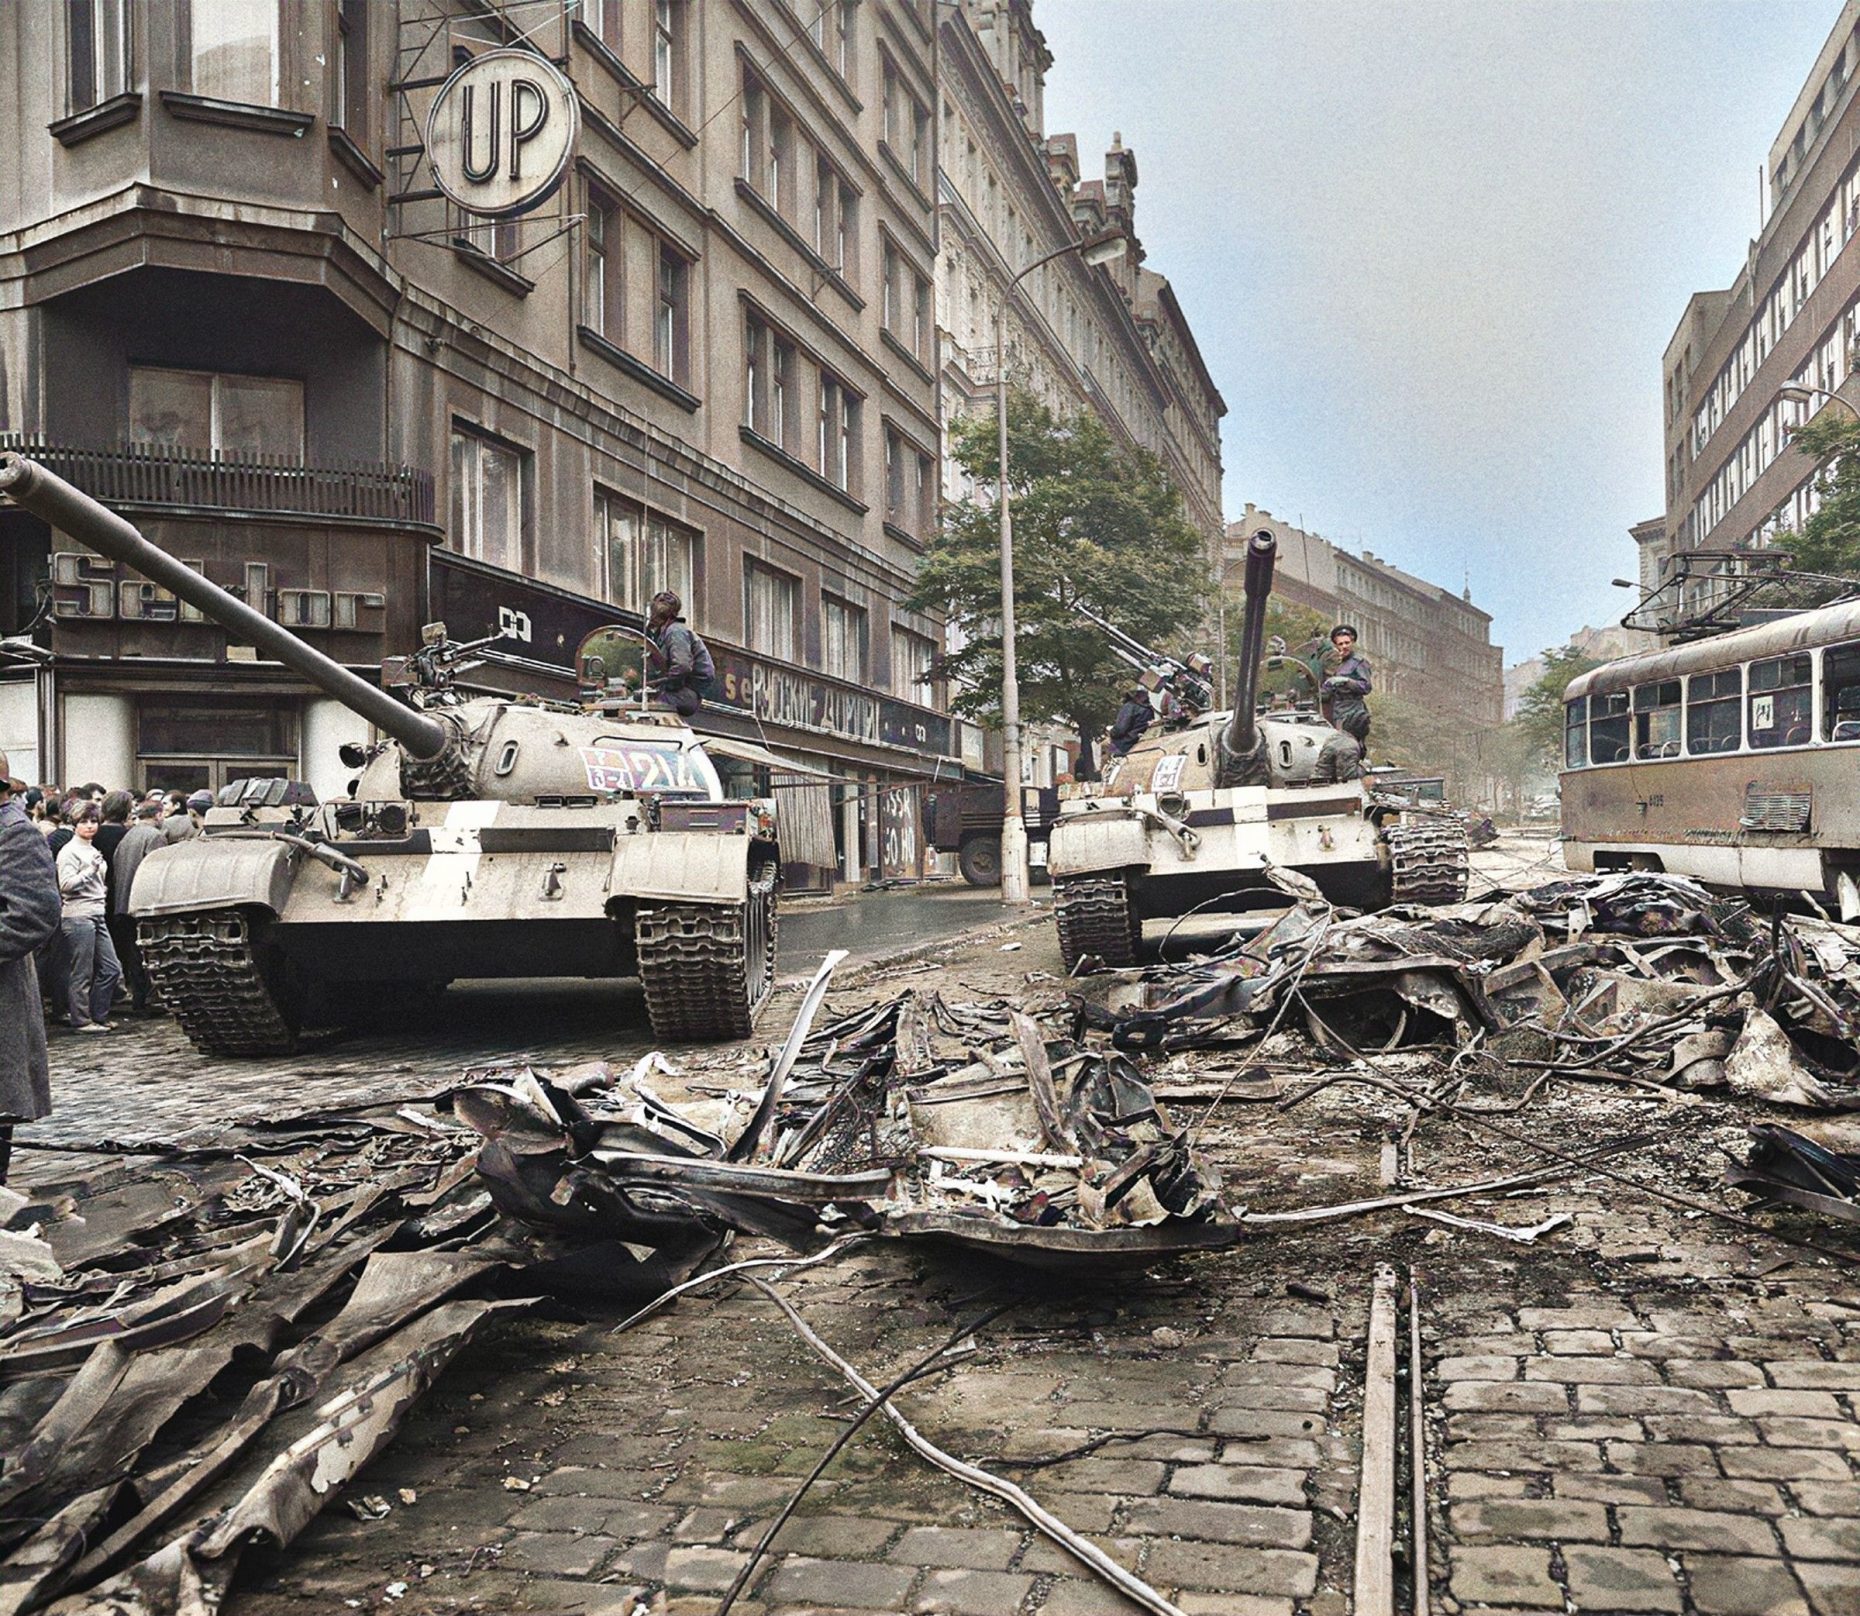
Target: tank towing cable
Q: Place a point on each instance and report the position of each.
(351, 870)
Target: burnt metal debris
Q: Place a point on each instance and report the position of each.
(199, 1349)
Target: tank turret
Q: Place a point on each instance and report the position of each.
(486, 836)
(1242, 759)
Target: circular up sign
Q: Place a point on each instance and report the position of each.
(501, 132)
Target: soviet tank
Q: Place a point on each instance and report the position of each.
(1195, 814)
(482, 837)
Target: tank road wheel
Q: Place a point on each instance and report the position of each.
(212, 972)
(1095, 916)
(979, 859)
(707, 968)
(1428, 859)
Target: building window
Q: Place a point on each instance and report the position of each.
(771, 611)
(617, 523)
(837, 433)
(894, 477)
(843, 38)
(96, 51)
(911, 659)
(781, 388)
(843, 634)
(604, 18)
(920, 317)
(780, 169)
(487, 500)
(670, 351)
(754, 112)
(233, 49)
(605, 282)
(231, 416)
(888, 294)
(925, 496)
(836, 219)
(352, 84)
(668, 28)
(670, 561)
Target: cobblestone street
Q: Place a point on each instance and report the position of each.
(1649, 1410)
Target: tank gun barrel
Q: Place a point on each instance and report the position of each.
(70, 510)
(1241, 737)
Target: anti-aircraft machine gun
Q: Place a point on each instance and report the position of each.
(484, 836)
(1197, 812)
(1185, 684)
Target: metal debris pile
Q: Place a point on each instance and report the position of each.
(911, 1118)
(197, 1349)
(1640, 977)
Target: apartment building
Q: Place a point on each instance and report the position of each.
(234, 304)
(1788, 320)
(1426, 644)
(1108, 338)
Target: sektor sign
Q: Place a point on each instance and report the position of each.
(501, 132)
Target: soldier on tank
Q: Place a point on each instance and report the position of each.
(682, 669)
(1133, 718)
(1346, 683)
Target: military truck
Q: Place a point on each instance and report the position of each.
(1205, 803)
(481, 837)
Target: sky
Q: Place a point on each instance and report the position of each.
(1433, 250)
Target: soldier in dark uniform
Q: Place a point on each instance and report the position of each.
(682, 669)
(1346, 683)
(1133, 718)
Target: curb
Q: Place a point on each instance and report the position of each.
(905, 956)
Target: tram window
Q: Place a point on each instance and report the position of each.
(1840, 686)
(1576, 733)
(1714, 711)
(1609, 724)
(1782, 702)
(1656, 720)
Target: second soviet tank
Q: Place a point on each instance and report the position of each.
(484, 837)
(1192, 817)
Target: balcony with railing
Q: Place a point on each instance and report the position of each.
(179, 478)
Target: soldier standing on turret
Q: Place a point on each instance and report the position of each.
(1346, 683)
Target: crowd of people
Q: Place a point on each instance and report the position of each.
(68, 955)
(91, 969)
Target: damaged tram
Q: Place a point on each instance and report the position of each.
(1733, 760)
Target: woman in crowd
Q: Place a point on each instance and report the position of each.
(91, 968)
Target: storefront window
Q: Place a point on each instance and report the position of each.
(185, 745)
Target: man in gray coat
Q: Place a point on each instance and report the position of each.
(29, 914)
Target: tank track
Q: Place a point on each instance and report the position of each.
(708, 969)
(1428, 860)
(1095, 917)
(206, 969)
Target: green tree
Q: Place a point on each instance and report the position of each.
(1095, 524)
(1539, 723)
(1829, 541)
(1302, 628)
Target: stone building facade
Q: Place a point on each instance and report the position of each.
(233, 304)
(1109, 339)
(1791, 317)
(1426, 644)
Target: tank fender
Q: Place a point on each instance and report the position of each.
(1080, 844)
(675, 866)
(212, 872)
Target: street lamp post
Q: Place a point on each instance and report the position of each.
(1802, 393)
(1097, 250)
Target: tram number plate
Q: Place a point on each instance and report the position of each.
(1762, 712)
